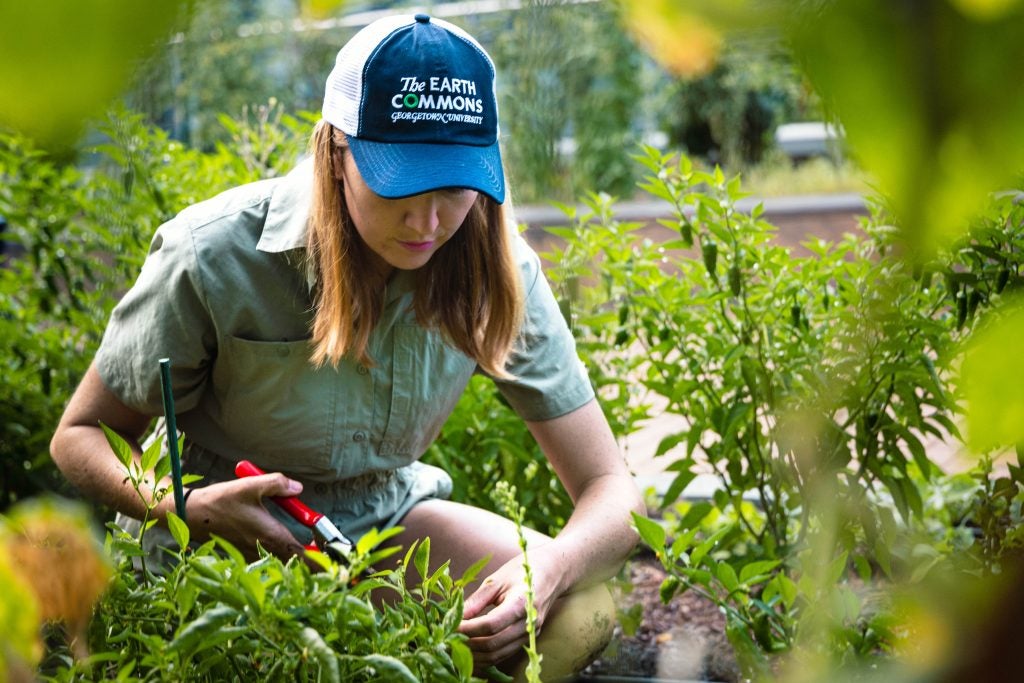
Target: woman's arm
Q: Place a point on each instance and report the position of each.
(80, 449)
(591, 548)
(232, 509)
(599, 535)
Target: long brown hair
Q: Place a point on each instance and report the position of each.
(469, 289)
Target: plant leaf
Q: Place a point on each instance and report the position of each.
(178, 529)
(117, 442)
(652, 533)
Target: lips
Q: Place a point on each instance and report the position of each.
(417, 246)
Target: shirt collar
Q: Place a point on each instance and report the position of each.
(288, 214)
(400, 283)
(286, 226)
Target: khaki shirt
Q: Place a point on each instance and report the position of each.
(224, 294)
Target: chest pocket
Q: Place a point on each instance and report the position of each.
(273, 404)
(429, 376)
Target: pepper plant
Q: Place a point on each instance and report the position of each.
(789, 369)
(808, 382)
(209, 615)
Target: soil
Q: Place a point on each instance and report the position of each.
(681, 641)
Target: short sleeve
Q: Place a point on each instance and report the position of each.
(163, 315)
(550, 380)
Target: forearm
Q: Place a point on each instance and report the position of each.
(85, 458)
(80, 449)
(598, 536)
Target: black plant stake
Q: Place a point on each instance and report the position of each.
(172, 436)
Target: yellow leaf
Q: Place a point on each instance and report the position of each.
(684, 42)
(19, 618)
(319, 9)
(985, 10)
(63, 61)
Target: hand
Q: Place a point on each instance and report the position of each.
(234, 511)
(494, 616)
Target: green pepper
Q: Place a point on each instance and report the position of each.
(961, 309)
(686, 232)
(794, 314)
(951, 284)
(1001, 279)
(748, 370)
(972, 303)
(735, 281)
(710, 252)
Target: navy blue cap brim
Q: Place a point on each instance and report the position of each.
(397, 170)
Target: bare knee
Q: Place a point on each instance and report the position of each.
(576, 631)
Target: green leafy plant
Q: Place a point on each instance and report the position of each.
(728, 114)
(76, 240)
(580, 80)
(210, 615)
(763, 351)
(505, 497)
(809, 383)
(759, 603)
(149, 471)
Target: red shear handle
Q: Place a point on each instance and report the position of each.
(291, 504)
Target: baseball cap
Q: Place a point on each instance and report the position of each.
(414, 95)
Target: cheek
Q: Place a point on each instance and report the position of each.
(458, 210)
(357, 210)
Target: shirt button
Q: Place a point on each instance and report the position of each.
(362, 369)
(359, 437)
(321, 489)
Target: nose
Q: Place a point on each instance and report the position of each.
(422, 214)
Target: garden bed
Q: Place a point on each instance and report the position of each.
(681, 641)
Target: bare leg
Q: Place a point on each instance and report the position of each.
(579, 624)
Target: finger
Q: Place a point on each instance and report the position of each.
(482, 597)
(276, 484)
(509, 613)
(487, 651)
(235, 511)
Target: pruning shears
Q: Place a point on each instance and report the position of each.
(328, 539)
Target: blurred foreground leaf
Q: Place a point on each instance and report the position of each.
(986, 9)
(19, 626)
(320, 8)
(992, 375)
(925, 90)
(925, 95)
(62, 61)
(686, 36)
(684, 41)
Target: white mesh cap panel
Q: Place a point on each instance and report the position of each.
(343, 93)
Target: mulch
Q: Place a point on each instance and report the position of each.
(681, 641)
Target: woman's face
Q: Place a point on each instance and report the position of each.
(404, 233)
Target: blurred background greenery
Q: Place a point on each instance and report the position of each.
(576, 91)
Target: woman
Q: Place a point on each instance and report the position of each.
(324, 324)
